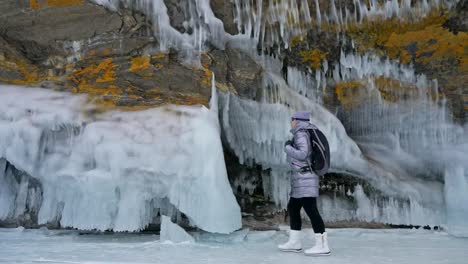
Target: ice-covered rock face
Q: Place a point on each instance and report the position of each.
(256, 131)
(20, 195)
(402, 139)
(405, 146)
(272, 24)
(202, 27)
(118, 170)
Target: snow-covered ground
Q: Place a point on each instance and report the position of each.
(348, 245)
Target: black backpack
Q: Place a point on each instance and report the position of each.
(319, 159)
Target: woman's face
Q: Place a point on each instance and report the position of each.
(293, 123)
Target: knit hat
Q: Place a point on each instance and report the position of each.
(302, 116)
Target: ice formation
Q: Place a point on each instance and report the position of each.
(456, 186)
(114, 171)
(205, 27)
(172, 232)
(409, 150)
(256, 132)
(401, 139)
(271, 24)
(277, 22)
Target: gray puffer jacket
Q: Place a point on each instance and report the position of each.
(303, 184)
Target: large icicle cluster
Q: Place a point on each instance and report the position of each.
(368, 10)
(375, 209)
(205, 27)
(118, 170)
(402, 139)
(272, 23)
(275, 23)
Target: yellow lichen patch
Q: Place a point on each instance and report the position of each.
(109, 91)
(159, 56)
(61, 3)
(313, 58)
(430, 46)
(207, 77)
(140, 63)
(104, 104)
(375, 33)
(348, 92)
(102, 72)
(206, 60)
(96, 78)
(182, 99)
(29, 74)
(296, 40)
(157, 60)
(36, 4)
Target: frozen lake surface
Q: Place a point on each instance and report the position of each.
(348, 246)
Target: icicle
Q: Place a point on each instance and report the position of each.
(317, 13)
(214, 95)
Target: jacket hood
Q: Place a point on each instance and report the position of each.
(302, 125)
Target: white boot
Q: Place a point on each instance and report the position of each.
(294, 243)
(321, 246)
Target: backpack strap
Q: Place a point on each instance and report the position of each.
(318, 139)
(311, 143)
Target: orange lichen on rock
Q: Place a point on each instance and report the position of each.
(425, 41)
(430, 46)
(348, 92)
(36, 4)
(207, 77)
(189, 100)
(375, 33)
(296, 40)
(392, 90)
(313, 58)
(28, 73)
(156, 60)
(96, 78)
(101, 72)
(140, 63)
(159, 56)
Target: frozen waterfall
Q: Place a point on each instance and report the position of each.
(118, 170)
(255, 131)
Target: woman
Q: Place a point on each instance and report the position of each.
(304, 189)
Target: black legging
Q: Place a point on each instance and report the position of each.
(310, 207)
